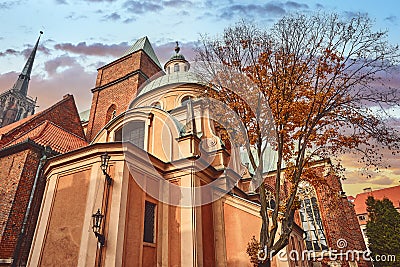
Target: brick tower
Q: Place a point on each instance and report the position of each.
(118, 82)
(15, 103)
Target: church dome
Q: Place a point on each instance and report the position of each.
(177, 72)
(169, 79)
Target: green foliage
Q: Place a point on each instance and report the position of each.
(383, 230)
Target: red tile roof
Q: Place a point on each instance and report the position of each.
(59, 113)
(13, 125)
(49, 134)
(392, 193)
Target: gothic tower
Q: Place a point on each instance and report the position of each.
(15, 104)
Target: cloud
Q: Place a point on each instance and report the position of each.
(166, 50)
(65, 75)
(7, 80)
(355, 177)
(53, 65)
(260, 10)
(27, 51)
(9, 4)
(113, 16)
(177, 3)
(9, 52)
(391, 19)
(384, 180)
(352, 14)
(49, 91)
(183, 13)
(64, 2)
(251, 10)
(139, 7)
(295, 5)
(129, 20)
(74, 16)
(96, 49)
(99, 1)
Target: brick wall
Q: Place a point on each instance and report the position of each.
(16, 179)
(338, 216)
(117, 84)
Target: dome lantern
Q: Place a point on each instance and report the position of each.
(177, 63)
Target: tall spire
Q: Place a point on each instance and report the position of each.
(21, 85)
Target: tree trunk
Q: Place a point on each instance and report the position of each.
(267, 263)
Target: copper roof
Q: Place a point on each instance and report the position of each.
(143, 44)
(392, 193)
(49, 134)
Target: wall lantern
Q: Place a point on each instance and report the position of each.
(97, 219)
(104, 165)
(105, 158)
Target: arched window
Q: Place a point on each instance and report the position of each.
(176, 67)
(111, 112)
(185, 100)
(311, 218)
(131, 132)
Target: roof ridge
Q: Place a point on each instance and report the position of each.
(27, 132)
(41, 113)
(39, 134)
(65, 130)
(377, 190)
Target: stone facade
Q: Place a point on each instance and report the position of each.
(14, 107)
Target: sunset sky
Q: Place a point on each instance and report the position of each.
(82, 35)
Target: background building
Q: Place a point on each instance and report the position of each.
(391, 193)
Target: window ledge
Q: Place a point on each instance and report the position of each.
(146, 244)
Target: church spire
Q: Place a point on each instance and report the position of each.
(21, 85)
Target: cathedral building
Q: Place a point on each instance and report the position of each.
(154, 184)
(15, 104)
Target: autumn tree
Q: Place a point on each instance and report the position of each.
(310, 87)
(383, 231)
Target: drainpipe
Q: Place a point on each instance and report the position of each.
(28, 209)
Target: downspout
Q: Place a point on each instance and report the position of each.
(16, 254)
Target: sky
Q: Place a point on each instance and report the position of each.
(82, 35)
